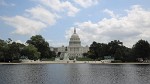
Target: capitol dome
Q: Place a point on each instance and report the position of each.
(75, 36)
(74, 49)
(74, 40)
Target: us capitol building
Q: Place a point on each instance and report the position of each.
(74, 49)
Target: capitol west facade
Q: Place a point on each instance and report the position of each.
(74, 49)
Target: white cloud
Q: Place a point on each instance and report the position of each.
(24, 26)
(37, 18)
(86, 3)
(4, 3)
(111, 13)
(43, 15)
(129, 28)
(60, 6)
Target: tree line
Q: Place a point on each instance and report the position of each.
(116, 49)
(35, 48)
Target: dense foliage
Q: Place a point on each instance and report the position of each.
(141, 49)
(35, 48)
(118, 51)
(42, 46)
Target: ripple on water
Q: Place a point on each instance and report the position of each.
(74, 74)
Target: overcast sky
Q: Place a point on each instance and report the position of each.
(96, 20)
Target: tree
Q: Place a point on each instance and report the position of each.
(85, 54)
(2, 49)
(9, 50)
(116, 49)
(129, 57)
(98, 50)
(103, 50)
(15, 49)
(93, 54)
(31, 52)
(53, 54)
(141, 49)
(43, 47)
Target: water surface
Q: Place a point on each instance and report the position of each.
(74, 74)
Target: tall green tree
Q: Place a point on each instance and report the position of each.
(141, 49)
(43, 47)
(93, 54)
(98, 50)
(116, 49)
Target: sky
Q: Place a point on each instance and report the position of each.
(95, 20)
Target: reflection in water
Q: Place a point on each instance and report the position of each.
(74, 74)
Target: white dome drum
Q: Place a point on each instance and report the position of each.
(74, 40)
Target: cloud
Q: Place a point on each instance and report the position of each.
(86, 3)
(4, 3)
(60, 6)
(130, 28)
(111, 13)
(39, 17)
(23, 25)
(36, 19)
(40, 13)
